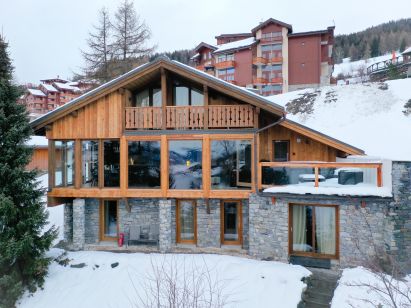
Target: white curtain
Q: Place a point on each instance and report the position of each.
(299, 228)
(325, 229)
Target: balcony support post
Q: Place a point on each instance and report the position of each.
(163, 99)
(205, 107)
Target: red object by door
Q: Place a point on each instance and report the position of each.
(121, 240)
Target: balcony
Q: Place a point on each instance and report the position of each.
(278, 80)
(191, 117)
(260, 61)
(351, 178)
(225, 64)
(276, 60)
(273, 39)
(260, 80)
(209, 64)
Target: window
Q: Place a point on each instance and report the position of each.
(231, 222)
(185, 164)
(144, 164)
(109, 218)
(281, 150)
(225, 57)
(230, 164)
(111, 163)
(64, 163)
(186, 217)
(150, 97)
(187, 96)
(89, 163)
(314, 230)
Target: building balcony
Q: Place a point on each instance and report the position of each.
(260, 80)
(208, 64)
(200, 67)
(274, 39)
(277, 60)
(225, 64)
(323, 177)
(190, 117)
(260, 61)
(277, 80)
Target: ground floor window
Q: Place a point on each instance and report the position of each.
(231, 223)
(109, 220)
(186, 221)
(64, 163)
(314, 230)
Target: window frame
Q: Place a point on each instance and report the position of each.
(190, 98)
(274, 141)
(314, 254)
(102, 163)
(178, 224)
(80, 161)
(63, 171)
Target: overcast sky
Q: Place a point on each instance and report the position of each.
(46, 36)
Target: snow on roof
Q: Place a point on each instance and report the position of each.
(237, 44)
(37, 141)
(362, 115)
(406, 51)
(36, 92)
(195, 56)
(49, 87)
(65, 86)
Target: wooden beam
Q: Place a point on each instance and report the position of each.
(51, 165)
(77, 164)
(100, 164)
(164, 165)
(205, 89)
(123, 165)
(206, 165)
(164, 98)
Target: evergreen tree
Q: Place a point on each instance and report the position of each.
(403, 45)
(22, 216)
(375, 47)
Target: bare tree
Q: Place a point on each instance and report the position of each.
(131, 36)
(100, 51)
(174, 284)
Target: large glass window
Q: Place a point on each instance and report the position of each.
(89, 163)
(144, 164)
(185, 164)
(111, 163)
(149, 97)
(186, 221)
(230, 164)
(187, 96)
(314, 230)
(64, 163)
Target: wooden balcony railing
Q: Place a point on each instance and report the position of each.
(320, 174)
(191, 117)
(277, 80)
(276, 59)
(260, 61)
(225, 64)
(260, 80)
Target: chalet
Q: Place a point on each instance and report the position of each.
(175, 159)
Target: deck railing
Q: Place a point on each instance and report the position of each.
(319, 174)
(191, 117)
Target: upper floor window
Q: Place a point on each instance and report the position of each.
(111, 163)
(144, 164)
(149, 97)
(225, 57)
(89, 163)
(63, 163)
(272, 47)
(187, 96)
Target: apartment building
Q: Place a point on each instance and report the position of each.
(271, 58)
(50, 94)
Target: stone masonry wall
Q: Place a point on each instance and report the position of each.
(92, 234)
(68, 223)
(208, 225)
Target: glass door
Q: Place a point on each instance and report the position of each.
(109, 220)
(186, 221)
(231, 223)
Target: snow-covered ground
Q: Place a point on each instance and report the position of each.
(349, 295)
(244, 282)
(363, 115)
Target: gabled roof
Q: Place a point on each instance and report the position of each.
(272, 21)
(407, 51)
(204, 45)
(49, 87)
(233, 35)
(36, 92)
(237, 45)
(160, 62)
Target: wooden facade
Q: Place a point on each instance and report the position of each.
(226, 113)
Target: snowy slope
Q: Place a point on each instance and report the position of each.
(362, 115)
(246, 282)
(351, 68)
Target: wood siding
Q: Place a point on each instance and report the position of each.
(39, 159)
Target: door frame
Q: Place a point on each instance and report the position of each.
(178, 226)
(239, 224)
(103, 237)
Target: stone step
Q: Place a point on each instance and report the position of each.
(318, 297)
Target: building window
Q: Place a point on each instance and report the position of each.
(225, 57)
(111, 163)
(144, 164)
(231, 164)
(64, 163)
(231, 222)
(314, 230)
(150, 97)
(89, 163)
(185, 164)
(186, 218)
(281, 150)
(109, 219)
(187, 96)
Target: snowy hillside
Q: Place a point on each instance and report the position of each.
(368, 116)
